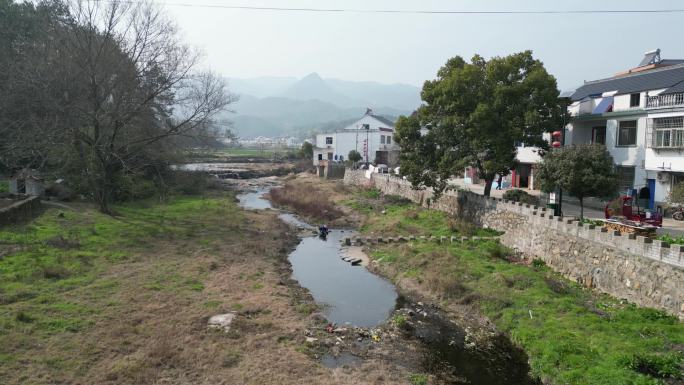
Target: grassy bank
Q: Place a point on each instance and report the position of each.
(573, 336)
(88, 298)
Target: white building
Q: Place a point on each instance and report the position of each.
(522, 176)
(638, 114)
(372, 136)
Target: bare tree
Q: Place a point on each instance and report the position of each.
(133, 85)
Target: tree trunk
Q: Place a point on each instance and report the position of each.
(581, 200)
(103, 195)
(488, 186)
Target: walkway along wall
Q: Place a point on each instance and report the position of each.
(644, 271)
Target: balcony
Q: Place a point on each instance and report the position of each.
(663, 101)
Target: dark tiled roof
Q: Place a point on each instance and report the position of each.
(384, 120)
(641, 81)
(679, 87)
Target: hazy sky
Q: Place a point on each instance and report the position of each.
(409, 48)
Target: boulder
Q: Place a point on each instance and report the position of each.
(221, 321)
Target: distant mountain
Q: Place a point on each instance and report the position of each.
(399, 96)
(312, 87)
(287, 106)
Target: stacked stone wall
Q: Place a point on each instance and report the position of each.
(644, 271)
(19, 211)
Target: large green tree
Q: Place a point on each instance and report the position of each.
(580, 170)
(473, 114)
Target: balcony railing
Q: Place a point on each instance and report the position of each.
(669, 100)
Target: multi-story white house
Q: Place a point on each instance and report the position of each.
(639, 115)
(372, 136)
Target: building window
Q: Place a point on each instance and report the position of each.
(330, 156)
(599, 135)
(328, 140)
(335, 157)
(389, 139)
(382, 139)
(667, 132)
(634, 100)
(625, 176)
(627, 133)
(320, 156)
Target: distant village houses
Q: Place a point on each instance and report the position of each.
(270, 142)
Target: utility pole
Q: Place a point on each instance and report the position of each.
(367, 142)
(560, 189)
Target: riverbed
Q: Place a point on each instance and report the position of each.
(359, 304)
(350, 295)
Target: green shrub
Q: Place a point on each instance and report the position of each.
(399, 320)
(517, 195)
(133, 187)
(4, 186)
(372, 193)
(679, 240)
(418, 379)
(658, 365)
(189, 183)
(538, 263)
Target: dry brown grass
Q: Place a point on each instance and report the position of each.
(303, 200)
(151, 329)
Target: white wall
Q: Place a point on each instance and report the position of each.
(344, 142)
(631, 155)
(579, 132)
(527, 155)
(673, 160)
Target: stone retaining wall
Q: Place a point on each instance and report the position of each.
(19, 211)
(641, 270)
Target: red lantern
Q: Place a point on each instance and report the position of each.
(556, 144)
(556, 134)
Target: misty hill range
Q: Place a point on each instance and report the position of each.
(280, 106)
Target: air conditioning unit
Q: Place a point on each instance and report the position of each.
(663, 177)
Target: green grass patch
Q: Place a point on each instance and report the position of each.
(69, 251)
(673, 240)
(418, 379)
(393, 215)
(572, 335)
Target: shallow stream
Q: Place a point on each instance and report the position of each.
(350, 295)
(353, 296)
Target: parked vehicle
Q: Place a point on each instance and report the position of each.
(622, 208)
(678, 214)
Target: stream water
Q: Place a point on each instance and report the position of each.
(351, 295)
